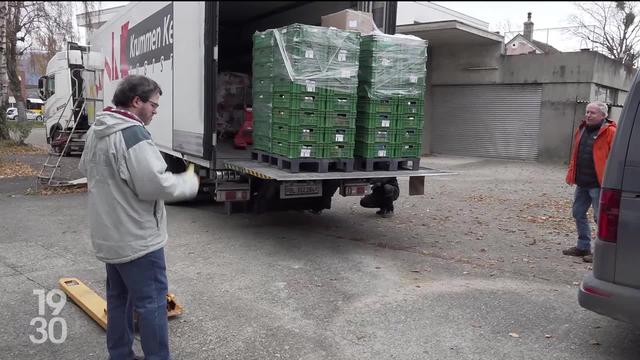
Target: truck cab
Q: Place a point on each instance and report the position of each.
(63, 90)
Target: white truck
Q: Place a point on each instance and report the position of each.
(72, 76)
(183, 46)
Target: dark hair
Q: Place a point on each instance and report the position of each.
(132, 86)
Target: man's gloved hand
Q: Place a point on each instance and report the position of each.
(191, 170)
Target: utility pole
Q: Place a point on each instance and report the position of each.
(4, 79)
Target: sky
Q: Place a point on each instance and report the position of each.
(510, 16)
(545, 14)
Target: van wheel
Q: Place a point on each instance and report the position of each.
(38, 118)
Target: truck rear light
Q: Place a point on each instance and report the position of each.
(232, 195)
(359, 189)
(608, 215)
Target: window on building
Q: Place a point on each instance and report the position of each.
(606, 94)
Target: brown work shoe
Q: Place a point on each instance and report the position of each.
(588, 258)
(574, 251)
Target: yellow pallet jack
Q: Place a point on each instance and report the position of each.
(96, 306)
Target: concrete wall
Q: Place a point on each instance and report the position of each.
(559, 115)
(454, 64)
(566, 77)
(543, 68)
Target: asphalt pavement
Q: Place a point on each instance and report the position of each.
(470, 270)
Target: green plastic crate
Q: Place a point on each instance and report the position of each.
(386, 43)
(338, 102)
(263, 70)
(262, 101)
(408, 136)
(298, 101)
(294, 150)
(337, 56)
(303, 34)
(377, 106)
(339, 135)
(298, 117)
(261, 128)
(411, 106)
(412, 78)
(263, 85)
(375, 135)
(308, 87)
(261, 142)
(407, 150)
(410, 121)
(373, 150)
(264, 39)
(376, 120)
(371, 59)
(340, 119)
(338, 151)
(263, 55)
(289, 133)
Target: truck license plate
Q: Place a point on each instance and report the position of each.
(300, 189)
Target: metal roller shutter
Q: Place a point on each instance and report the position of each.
(501, 121)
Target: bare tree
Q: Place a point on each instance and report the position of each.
(613, 25)
(35, 24)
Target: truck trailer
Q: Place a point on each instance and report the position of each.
(184, 46)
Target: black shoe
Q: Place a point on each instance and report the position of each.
(385, 213)
(588, 258)
(574, 251)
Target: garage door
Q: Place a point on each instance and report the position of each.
(501, 121)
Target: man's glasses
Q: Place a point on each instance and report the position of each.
(154, 104)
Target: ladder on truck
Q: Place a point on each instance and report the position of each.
(71, 138)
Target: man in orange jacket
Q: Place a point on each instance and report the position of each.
(591, 146)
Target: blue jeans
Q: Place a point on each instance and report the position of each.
(585, 197)
(140, 284)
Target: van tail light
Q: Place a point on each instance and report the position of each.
(608, 215)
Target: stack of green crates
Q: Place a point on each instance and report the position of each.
(305, 81)
(390, 97)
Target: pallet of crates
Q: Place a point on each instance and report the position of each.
(310, 63)
(391, 97)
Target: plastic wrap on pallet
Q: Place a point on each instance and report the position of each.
(317, 57)
(392, 65)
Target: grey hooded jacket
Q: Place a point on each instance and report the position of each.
(128, 184)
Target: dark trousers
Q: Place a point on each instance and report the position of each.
(381, 197)
(139, 285)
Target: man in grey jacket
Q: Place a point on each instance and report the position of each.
(128, 182)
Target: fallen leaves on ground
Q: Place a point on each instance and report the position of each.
(8, 148)
(556, 214)
(56, 190)
(10, 168)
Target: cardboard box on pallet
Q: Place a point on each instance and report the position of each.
(350, 20)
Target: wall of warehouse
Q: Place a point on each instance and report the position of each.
(565, 77)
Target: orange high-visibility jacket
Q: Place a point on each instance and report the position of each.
(601, 148)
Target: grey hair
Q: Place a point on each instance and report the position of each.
(602, 107)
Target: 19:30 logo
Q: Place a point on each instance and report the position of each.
(55, 329)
